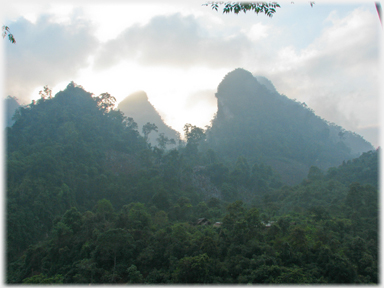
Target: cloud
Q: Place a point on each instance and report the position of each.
(338, 74)
(46, 53)
(174, 40)
(201, 98)
(258, 31)
(202, 103)
(371, 134)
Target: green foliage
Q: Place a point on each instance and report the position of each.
(264, 126)
(315, 174)
(58, 157)
(42, 279)
(194, 135)
(148, 128)
(11, 105)
(105, 101)
(163, 141)
(89, 201)
(134, 275)
(363, 170)
(268, 8)
(137, 106)
(192, 270)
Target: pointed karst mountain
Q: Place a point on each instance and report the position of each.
(255, 121)
(137, 106)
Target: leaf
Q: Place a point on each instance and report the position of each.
(237, 7)
(6, 32)
(11, 38)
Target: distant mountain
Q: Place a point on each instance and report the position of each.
(137, 106)
(10, 107)
(88, 201)
(255, 121)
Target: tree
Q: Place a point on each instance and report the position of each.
(241, 173)
(104, 210)
(194, 135)
(134, 275)
(105, 101)
(192, 269)
(258, 7)
(130, 123)
(112, 244)
(138, 218)
(353, 198)
(10, 36)
(148, 128)
(315, 173)
(46, 92)
(73, 219)
(164, 140)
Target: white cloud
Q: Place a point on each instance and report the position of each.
(258, 31)
(338, 74)
(370, 133)
(173, 55)
(175, 40)
(202, 103)
(46, 53)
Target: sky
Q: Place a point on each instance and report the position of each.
(178, 52)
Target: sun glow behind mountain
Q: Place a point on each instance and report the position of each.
(326, 56)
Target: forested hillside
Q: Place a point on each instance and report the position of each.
(10, 107)
(90, 201)
(253, 120)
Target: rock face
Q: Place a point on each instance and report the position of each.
(253, 120)
(142, 111)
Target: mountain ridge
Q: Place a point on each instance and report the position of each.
(255, 121)
(89, 201)
(137, 106)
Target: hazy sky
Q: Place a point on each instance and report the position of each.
(327, 56)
